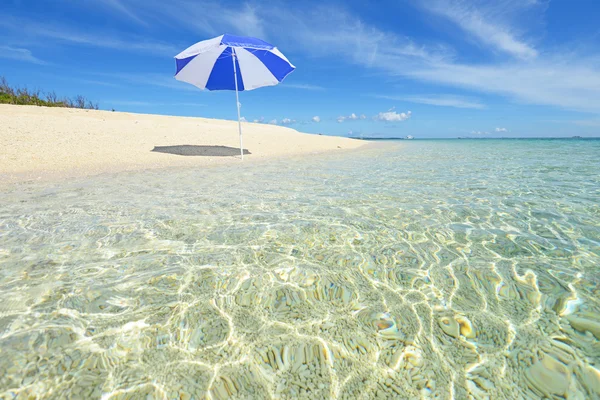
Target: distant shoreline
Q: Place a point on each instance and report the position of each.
(485, 138)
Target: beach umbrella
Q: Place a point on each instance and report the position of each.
(230, 62)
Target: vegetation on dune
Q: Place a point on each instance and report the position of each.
(24, 96)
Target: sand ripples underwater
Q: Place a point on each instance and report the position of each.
(434, 269)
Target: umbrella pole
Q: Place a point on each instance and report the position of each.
(237, 102)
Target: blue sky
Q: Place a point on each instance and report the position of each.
(427, 68)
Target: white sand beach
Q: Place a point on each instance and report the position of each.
(40, 143)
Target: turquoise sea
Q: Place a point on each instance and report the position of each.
(412, 269)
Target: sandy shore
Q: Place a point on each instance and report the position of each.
(40, 143)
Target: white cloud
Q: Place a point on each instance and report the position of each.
(243, 119)
(393, 116)
(479, 133)
(14, 53)
(316, 118)
(438, 100)
(260, 120)
(284, 121)
(351, 117)
(501, 130)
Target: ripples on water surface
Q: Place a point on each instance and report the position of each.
(435, 268)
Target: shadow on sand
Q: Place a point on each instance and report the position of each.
(204, 151)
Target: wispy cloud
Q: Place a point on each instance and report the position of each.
(486, 22)
(245, 19)
(568, 80)
(120, 7)
(438, 100)
(332, 31)
(15, 53)
(500, 130)
(446, 101)
(316, 119)
(146, 79)
(319, 30)
(62, 34)
(208, 17)
(304, 86)
(562, 82)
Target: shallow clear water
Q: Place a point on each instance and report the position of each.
(420, 269)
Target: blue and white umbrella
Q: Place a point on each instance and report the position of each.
(213, 64)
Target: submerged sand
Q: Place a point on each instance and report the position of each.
(439, 271)
(41, 143)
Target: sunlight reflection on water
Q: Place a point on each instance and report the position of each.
(416, 270)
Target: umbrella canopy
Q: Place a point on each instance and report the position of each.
(214, 64)
(208, 64)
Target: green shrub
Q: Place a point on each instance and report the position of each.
(24, 96)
